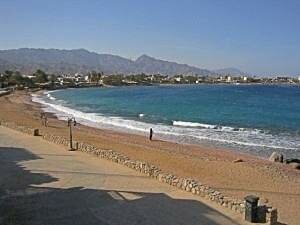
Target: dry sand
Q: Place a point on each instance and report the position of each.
(275, 183)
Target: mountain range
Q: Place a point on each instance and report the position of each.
(28, 60)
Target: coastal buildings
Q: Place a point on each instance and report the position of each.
(66, 79)
(43, 80)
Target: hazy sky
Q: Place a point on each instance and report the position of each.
(257, 36)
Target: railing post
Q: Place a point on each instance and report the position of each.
(71, 122)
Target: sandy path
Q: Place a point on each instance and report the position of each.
(275, 183)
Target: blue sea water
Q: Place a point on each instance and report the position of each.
(257, 119)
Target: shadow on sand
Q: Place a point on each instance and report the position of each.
(21, 203)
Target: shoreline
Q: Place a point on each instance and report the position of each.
(246, 140)
(141, 134)
(271, 181)
(201, 146)
(53, 115)
(207, 146)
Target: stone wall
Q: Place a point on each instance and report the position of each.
(186, 184)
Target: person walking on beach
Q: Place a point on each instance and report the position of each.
(42, 116)
(44, 119)
(151, 134)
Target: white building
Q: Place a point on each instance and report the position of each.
(60, 80)
(79, 77)
(28, 76)
(177, 79)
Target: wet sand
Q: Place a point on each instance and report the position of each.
(275, 183)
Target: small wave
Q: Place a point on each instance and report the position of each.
(141, 115)
(215, 127)
(192, 124)
(244, 143)
(50, 96)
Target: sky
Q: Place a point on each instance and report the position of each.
(261, 37)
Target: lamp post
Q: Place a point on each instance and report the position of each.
(71, 122)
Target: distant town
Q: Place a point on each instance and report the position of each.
(42, 80)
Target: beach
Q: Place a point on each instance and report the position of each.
(275, 183)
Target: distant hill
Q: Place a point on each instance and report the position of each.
(230, 71)
(4, 65)
(151, 65)
(28, 60)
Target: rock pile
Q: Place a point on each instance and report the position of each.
(278, 157)
(295, 163)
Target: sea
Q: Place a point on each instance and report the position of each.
(255, 119)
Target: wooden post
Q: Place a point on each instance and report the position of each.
(71, 137)
(71, 122)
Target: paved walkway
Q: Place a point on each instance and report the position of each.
(44, 184)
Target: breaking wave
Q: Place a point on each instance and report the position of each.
(215, 127)
(193, 124)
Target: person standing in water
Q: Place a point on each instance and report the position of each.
(151, 134)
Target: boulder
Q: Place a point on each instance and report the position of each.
(237, 161)
(295, 165)
(276, 157)
(292, 160)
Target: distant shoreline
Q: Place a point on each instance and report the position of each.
(200, 84)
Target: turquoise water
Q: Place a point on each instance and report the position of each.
(251, 118)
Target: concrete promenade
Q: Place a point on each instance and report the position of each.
(44, 184)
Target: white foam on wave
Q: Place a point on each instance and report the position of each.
(215, 127)
(186, 132)
(48, 94)
(51, 97)
(193, 124)
(63, 111)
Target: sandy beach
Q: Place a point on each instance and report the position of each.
(275, 183)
